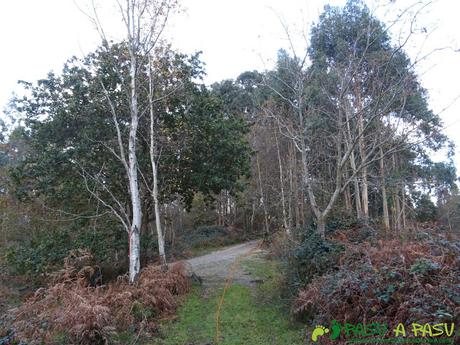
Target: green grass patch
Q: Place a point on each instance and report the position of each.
(262, 268)
(244, 318)
(270, 281)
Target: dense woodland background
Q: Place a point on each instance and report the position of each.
(339, 137)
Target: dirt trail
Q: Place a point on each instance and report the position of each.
(214, 267)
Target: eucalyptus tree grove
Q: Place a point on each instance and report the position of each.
(351, 117)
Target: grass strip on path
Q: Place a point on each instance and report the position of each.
(252, 316)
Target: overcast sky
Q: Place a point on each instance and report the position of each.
(37, 36)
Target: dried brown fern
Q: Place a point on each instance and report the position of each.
(88, 315)
(392, 280)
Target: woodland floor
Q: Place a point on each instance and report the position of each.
(242, 286)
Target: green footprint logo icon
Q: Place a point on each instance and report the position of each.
(336, 328)
(317, 332)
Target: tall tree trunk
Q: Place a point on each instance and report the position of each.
(320, 216)
(283, 201)
(347, 195)
(134, 233)
(160, 235)
(263, 200)
(397, 205)
(353, 169)
(364, 195)
(302, 209)
(296, 202)
(403, 206)
(359, 208)
(321, 226)
(291, 196)
(321, 219)
(397, 210)
(253, 213)
(362, 153)
(311, 196)
(153, 162)
(386, 217)
(364, 184)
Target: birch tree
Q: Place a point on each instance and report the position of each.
(144, 22)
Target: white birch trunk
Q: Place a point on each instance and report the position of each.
(153, 161)
(160, 235)
(283, 200)
(134, 234)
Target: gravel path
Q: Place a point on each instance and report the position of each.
(214, 267)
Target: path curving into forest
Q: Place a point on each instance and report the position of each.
(214, 268)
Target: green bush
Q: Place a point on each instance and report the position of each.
(340, 221)
(423, 267)
(47, 249)
(425, 210)
(313, 257)
(39, 254)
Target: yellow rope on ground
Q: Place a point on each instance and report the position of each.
(228, 283)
